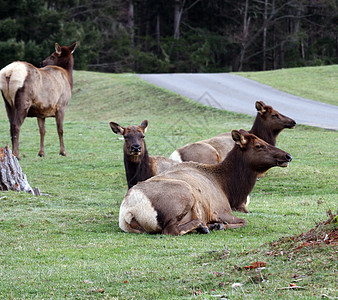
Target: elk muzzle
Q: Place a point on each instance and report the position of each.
(136, 148)
(292, 124)
(43, 64)
(284, 161)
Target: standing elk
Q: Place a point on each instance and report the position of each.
(267, 126)
(194, 196)
(138, 164)
(38, 92)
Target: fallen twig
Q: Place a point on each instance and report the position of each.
(293, 287)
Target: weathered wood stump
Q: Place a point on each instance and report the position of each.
(11, 176)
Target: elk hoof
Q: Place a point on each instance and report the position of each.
(241, 209)
(41, 154)
(16, 154)
(63, 153)
(216, 226)
(202, 229)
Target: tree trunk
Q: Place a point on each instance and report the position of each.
(158, 29)
(297, 31)
(246, 24)
(177, 19)
(131, 23)
(282, 55)
(264, 33)
(179, 8)
(11, 176)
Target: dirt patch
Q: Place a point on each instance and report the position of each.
(324, 233)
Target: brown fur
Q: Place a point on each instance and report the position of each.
(267, 126)
(139, 166)
(194, 196)
(38, 92)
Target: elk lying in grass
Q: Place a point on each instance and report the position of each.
(138, 164)
(267, 126)
(38, 92)
(193, 196)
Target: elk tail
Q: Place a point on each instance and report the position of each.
(12, 78)
(176, 156)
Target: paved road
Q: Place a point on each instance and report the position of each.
(238, 94)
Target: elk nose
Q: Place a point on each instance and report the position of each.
(136, 148)
(288, 157)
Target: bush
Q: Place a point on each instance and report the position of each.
(11, 50)
(33, 53)
(8, 29)
(147, 62)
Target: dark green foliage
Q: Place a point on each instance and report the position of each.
(29, 30)
(8, 28)
(11, 50)
(214, 36)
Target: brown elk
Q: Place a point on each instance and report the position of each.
(139, 166)
(267, 126)
(38, 92)
(194, 196)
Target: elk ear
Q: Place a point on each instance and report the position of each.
(239, 138)
(57, 49)
(116, 128)
(72, 47)
(260, 106)
(144, 125)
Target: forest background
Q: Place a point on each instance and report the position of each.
(158, 36)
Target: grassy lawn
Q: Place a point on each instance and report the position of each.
(66, 244)
(316, 83)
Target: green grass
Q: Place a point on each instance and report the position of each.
(67, 243)
(316, 83)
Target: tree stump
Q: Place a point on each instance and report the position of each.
(11, 176)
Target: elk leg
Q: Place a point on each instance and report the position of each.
(19, 117)
(59, 124)
(9, 109)
(42, 129)
(15, 132)
(232, 222)
(175, 229)
(10, 114)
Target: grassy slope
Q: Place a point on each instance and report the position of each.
(316, 83)
(67, 244)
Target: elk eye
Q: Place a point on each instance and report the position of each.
(275, 116)
(259, 147)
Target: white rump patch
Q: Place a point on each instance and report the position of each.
(137, 205)
(17, 73)
(176, 156)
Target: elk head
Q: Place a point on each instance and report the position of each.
(62, 57)
(272, 118)
(134, 146)
(258, 154)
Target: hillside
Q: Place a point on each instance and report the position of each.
(67, 243)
